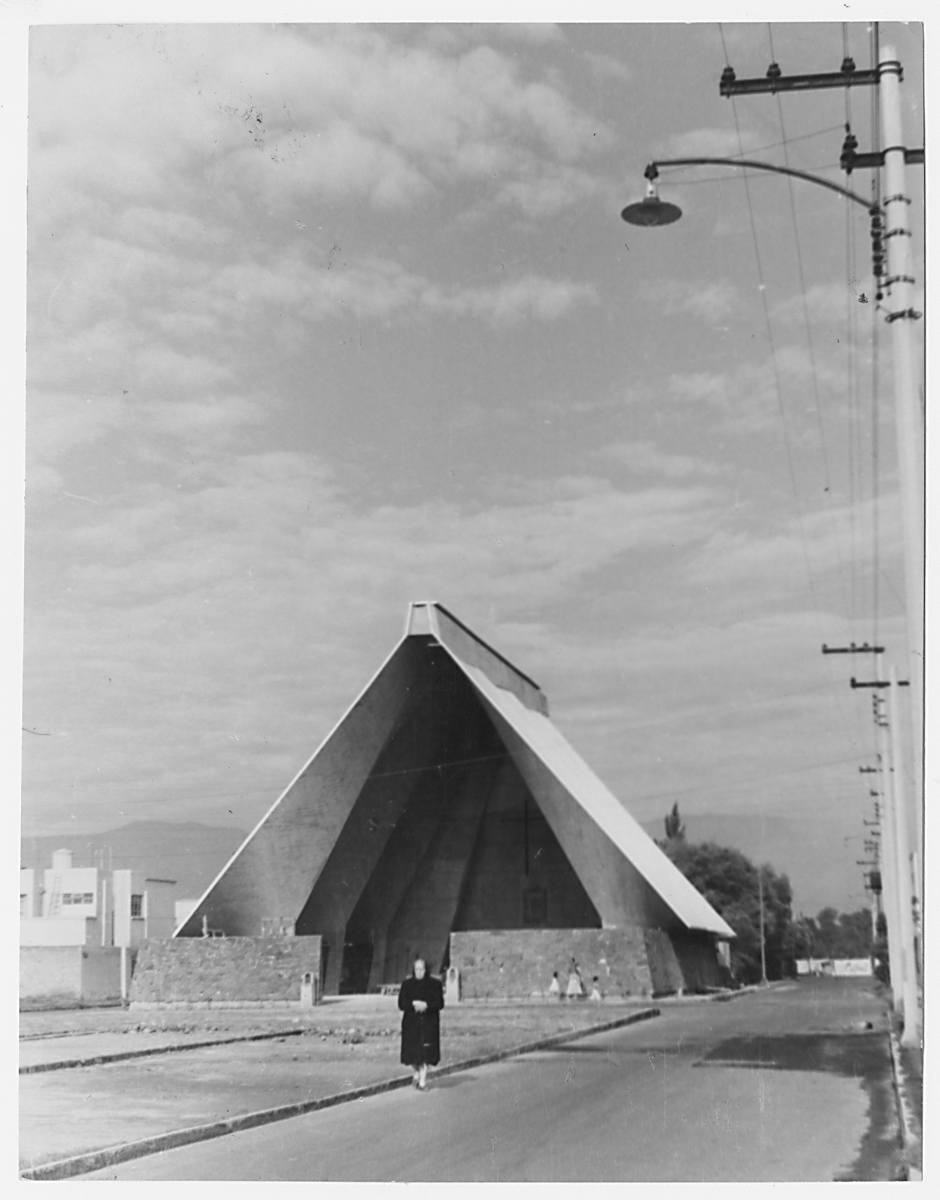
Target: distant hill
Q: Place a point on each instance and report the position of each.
(812, 852)
(190, 853)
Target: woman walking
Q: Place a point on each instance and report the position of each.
(420, 999)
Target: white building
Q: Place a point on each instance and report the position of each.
(88, 907)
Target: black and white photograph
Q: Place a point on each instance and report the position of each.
(468, 561)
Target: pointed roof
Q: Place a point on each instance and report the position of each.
(628, 878)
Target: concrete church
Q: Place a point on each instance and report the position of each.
(446, 815)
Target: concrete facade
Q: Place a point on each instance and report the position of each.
(142, 908)
(28, 894)
(82, 974)
(224, 970)
(444, 802)
(59, 931)
(69, 891)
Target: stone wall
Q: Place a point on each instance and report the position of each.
(698, 960)
(223, 970)
(518, 963)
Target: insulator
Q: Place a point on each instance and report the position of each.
(728, 75)
(773, 71)
(848, 64)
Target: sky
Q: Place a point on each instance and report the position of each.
(323, 319)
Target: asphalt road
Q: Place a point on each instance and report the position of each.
(793, 1084)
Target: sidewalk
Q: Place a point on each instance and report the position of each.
(332, 1051)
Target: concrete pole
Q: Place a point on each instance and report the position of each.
(763, 940)
(889, 893)
(910, 1036)
(909, 410)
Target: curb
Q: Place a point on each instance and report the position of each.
(910, 1140)
(98, 1060)
(96, 1160)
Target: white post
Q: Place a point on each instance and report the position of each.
(909, 410)
(905, 895)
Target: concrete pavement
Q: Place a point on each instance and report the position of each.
(336, 1050)
(791, 1084)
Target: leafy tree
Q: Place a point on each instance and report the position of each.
(838, 935)
(730, 883)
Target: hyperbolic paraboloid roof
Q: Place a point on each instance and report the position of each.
(322, 841)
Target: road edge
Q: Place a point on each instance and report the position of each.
(96, 1160)
(911, 1137)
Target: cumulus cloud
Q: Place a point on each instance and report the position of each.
(207, 596)
(347, 112)
(645, 458)
(711, 301)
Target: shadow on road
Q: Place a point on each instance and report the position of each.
(862, 1056)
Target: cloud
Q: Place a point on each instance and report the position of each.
(511, 302)
(709, 143)
(549, 190)
(338, 112)
(713, 301)
(200, 601)
(646, 459)
(821, 544)
(606, 67)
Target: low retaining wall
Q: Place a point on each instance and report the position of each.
(225, 971)
(834, 966)
(85, 974)
(516, 963)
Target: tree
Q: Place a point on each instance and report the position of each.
(675, 830)
(729, 882)
(840, 935)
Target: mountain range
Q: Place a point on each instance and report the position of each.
(814, 853)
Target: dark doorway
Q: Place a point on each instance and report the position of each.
(357, 963)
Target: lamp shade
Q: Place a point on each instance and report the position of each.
(651, 211)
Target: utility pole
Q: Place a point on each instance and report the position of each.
(874, 879)
(896, 954)
(895, 295)
(910, 1036)
(763, 940)
(909, 409)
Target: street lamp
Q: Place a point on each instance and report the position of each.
(653, 211)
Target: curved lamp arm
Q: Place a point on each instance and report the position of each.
(652, 172)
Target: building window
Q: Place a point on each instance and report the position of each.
(137, 906)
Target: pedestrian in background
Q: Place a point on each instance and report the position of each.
(420, 999)
(575, 984)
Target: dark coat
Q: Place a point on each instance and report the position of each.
(421, 1032)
